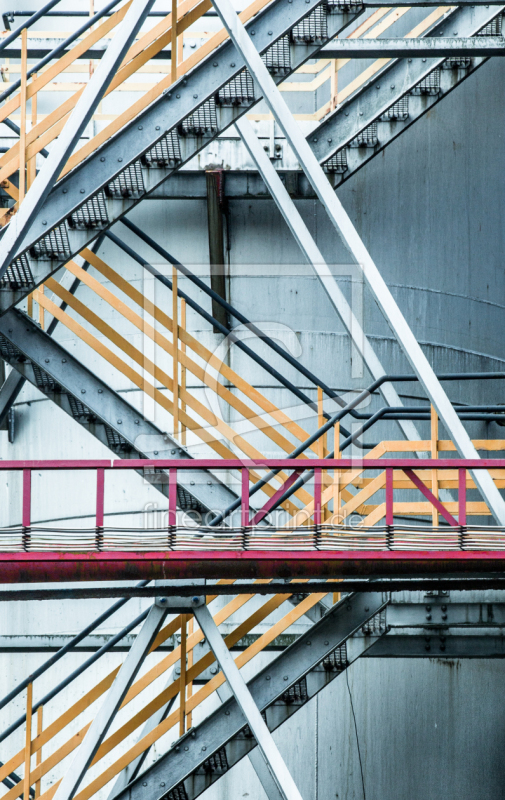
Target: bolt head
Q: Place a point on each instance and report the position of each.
(141, 127)
(119, 422)
(155, 452)
(102, 158)
(82, 191)
(195, 600)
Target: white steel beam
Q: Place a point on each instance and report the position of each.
(358, 251)
(264, 738)
(314, 257)
(103, 720)
(79, 118)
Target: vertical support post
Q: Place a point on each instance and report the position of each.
(336, 492)
(389, 495)
(318, 481)
(183, 371)
(27, 498)
(100, 491)
(462, 496)
(434, 455)
(28, 741)
(334, 84)
(22, 127)
(173, 53)
(189, 689)
(31, 164)
(182, 680)
(40, 291)
(321, 442)
(244, 505)
(172, 502)
(38, 757)
(245, 701)
(215, 223)
(175, 354)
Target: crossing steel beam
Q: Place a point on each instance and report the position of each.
(278, 691)
(38, 358)
(181, 122)
(360, 254)
(75, 772)
(84, 109)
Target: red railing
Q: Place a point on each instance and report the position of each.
(318, 547)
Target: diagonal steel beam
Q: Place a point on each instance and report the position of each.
(358, 251)
(82, 113)
(103, 720)
(426, 47)
(269, 750)
(8, 393)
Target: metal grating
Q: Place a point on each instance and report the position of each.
(177, 793)
(337, 163)
(92, 214)
(429, 85)
(366, 138)
(53, 245)
(117, 442)
(313, 29)
(186, 501)
(296, 693)
(165, 153)
(342, 7)
(336, 661)
(457, 62)
(79, 411)
(18, 274)
(45, 382)
(399, 110)
(129, 182)
(277, 58)
(493, 28)
(217, 762)
(237, 92)
(203, 120)
(375, 625)
(9, 352)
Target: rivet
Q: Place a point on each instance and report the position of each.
(213, 670)
(65, 191)
(267, 678)
(100, 391)
(63, 360)
(367, 608)
(428, 617)
(120, 159)
(137, 422)
(444, 616)
(186, 748)
(10, 331)
(209, 483)
(442, 646)
(185, 82)
(424, 61)
(285, 677)
(162, 783)
(82, 191)
(195, 96)
(204, 749)
(141, 127)
(44, 222)
(308, 644)
(227, 713)
(102, 158)
(155, 452)
(191, 483)
(119, 422)
(47, 360)
(83, 391)
(157, 128)
(177, 95)
(252, 33)
(427, 647)
(326, 642)
(428, 608)
(361, 113)
(269, 33)
(346, 113)
(193, 734)
(144, 783)
(172, 451)
(177, 748)
(410, 61)
(392, 86)
(444, 608)
(378, 86)
(314, 140)
(330, 141)
(215, 64)
(232, 64)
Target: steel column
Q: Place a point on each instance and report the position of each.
(269, 750)
(103, 720)
(72, 131)
(357, 249)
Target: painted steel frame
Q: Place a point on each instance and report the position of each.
(258, 727)
(425, 47)
(357, 249)
(21, 223)
(222, 728)
(103, 720)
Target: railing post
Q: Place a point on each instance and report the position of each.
(27, 507)
(434, 472)
(172, 506)
(38, 758)
(182, 681)
(318, 479)
(389, 507)
(462, 505)
(100, 490)
(28, 741)
(244, 505)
